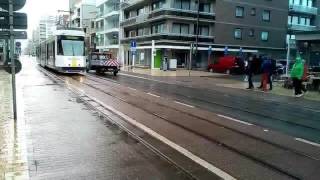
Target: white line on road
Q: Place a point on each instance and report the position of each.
(139, 77)
(153, 95)
(184, 104)
(173, 145)
(308, 142)
(236, 120)
(132, 88)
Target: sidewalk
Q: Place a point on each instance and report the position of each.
(161, 73)
(13, 162)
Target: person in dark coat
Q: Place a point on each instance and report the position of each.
(250, 71)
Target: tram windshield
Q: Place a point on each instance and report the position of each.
(70, 46)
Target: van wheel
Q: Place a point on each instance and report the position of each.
(115, 73)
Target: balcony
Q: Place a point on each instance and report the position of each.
(299, 27)
(172, 13)
(303, 9)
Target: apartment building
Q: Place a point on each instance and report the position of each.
(82, 12)
(167, 28)
(303, 17)
(46, 27)
(107, 26)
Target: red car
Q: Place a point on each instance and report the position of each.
(228, 64)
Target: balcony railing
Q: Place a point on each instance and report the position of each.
(303, 9)
(299, 27)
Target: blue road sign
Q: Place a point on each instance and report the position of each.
(133, 46)
(133, 43)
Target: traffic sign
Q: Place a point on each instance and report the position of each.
(133, 46)
(7, 66)
(18, 44)
(20, 20)
(16, 34)
(17, 4)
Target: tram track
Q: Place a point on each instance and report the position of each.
(292, 123)
(132, 134)
(216, 141)
(213, 140)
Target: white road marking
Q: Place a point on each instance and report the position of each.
(139, 77)
(153, 95)
(266, 130)
(173, 145)
(236, 120)
(308, 142)
(132, 88)
(184, 104)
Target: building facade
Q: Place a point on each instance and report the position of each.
(107, 23)
(82, 12)
(167, 28)
(46, 27)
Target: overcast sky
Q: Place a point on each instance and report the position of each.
(37, 8)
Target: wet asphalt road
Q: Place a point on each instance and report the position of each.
(67, 139)
(244, 152)
(296, 119)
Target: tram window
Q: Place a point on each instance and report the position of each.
(53, 50)
(71, 46)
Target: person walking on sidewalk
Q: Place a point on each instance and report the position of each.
(250, 71)
(296, 76)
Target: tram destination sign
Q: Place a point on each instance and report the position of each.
(17, 4)
(20, 20)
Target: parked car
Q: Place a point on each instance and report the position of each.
(228, 64)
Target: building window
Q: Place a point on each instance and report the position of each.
(264, 36)
(253, 12)
(157, 5)
(203, 30)
(92, 25)
(238, 33)
(266, 15)
(239, 11)
(140, 32)
(204, 7)
(157, 28)
(140, 11)
(182, 4)
(251, 32)
(178, 28)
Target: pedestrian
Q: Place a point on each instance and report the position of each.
(250, 71)
(297, 75)
(305, 76)
(266, 68)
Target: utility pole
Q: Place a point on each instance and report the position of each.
(288, 57)
(197, 33)
(13, 67)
